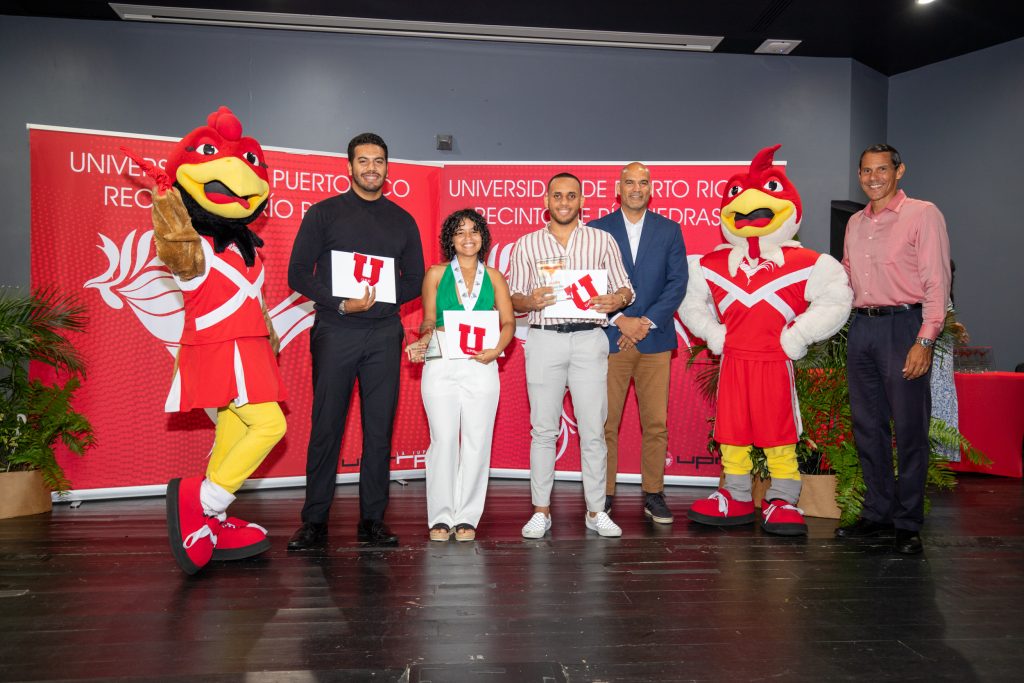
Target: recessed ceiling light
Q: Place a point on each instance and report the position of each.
(925, 2)
(777, 46)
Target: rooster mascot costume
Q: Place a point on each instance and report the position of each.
(213, 186)
(760, 300)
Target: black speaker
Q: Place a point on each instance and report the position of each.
(841, 212)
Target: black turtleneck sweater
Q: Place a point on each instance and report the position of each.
(347, 222)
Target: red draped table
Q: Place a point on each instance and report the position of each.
(992, 418)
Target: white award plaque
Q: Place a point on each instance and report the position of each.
(352, 272)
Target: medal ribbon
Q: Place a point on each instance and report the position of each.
(468, 299)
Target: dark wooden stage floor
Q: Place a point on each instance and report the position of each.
(93, 594)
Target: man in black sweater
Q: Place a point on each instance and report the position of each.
(354, 338)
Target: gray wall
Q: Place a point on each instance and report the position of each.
(502, 102)
(522, 102)
(958, 125)
(869, 104)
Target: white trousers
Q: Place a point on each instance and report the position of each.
(461, 398)
(554, 361)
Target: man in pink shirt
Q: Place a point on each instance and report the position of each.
(897, 256)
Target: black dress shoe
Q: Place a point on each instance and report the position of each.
(864, 528)
(309, 536)
(608, 500)
(375, 532)
(908, 542)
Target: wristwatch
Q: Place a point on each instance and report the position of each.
(341, 307)
(925, 342)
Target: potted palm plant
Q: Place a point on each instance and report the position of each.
(37, 415)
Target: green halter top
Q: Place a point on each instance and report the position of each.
(448, 299)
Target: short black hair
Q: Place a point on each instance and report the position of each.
(881, 148)
(367, 139)
(452, 223)
(565, 174)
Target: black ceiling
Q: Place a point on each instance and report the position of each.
(890, 36)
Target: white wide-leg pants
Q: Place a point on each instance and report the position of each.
(460, 397)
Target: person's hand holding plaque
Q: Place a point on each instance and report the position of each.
(418, 345)
(541, 298)
(363, 303)
(605, 303)
(486, 356)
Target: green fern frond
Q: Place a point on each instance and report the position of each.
(707, 374)
(943, 437)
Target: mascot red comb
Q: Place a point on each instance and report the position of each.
(760, 300)
(213, 186)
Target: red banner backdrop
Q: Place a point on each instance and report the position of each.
(91, 235)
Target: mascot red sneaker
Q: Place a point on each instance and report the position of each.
(214, 185)
(760, 300)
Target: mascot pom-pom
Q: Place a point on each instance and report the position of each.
(213, 186)
(760, 300)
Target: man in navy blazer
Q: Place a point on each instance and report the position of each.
(643, 335)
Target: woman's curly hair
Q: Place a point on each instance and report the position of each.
(452, 223)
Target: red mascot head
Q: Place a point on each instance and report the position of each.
(761, 206)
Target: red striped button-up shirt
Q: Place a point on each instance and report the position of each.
(587, 249)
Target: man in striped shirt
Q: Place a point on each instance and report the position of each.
(568, 351)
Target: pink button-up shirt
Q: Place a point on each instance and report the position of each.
(900, 256)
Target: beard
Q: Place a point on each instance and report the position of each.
(367, 188)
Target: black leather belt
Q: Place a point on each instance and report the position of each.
(566, 328)
(875, 311)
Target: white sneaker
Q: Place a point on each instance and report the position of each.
(538, 525)
(603, 524)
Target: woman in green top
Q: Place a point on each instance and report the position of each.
(460, 395)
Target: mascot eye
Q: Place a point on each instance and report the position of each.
(252, 158)
(773, 185)
(735, 190)
(207, 149)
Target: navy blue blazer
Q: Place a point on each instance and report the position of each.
(658, 277)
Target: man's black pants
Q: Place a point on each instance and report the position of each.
(343, 352)
(876, 353)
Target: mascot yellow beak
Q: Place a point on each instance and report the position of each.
(226, 187)
(754, 213)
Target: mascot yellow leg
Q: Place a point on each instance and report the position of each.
(736, 461)
(244, 437)
(736, 465)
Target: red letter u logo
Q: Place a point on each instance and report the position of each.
(361, 261)
(582, 302)
(477, 333)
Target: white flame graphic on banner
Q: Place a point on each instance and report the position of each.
(140, 281)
